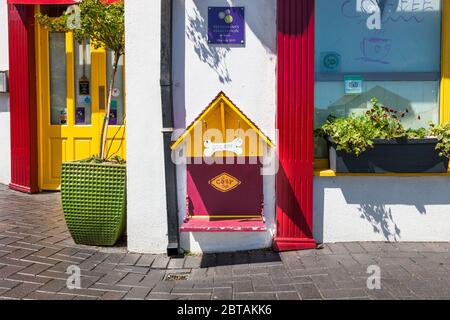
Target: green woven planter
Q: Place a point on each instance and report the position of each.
(94, 202)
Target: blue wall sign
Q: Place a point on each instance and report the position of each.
(226, 25)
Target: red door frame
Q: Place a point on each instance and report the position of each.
(295, 121)
(23, 113)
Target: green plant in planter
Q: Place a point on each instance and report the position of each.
(93, 197)
(93, 191)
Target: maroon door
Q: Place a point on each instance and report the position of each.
(295, 120)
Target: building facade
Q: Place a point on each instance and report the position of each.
(287, 74)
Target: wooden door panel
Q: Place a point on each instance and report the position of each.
(82, 148)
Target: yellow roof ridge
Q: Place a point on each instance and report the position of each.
(210, 106)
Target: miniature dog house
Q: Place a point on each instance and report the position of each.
(223, 149)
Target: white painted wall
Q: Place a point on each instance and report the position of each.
(147, 222)
(381, 209)
(247, 75)
(5, 145)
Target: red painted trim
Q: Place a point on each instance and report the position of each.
(224, 225)
(295, 119)
(22, 80)
(289, 244)
(19, 188)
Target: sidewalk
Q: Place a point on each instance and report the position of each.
(36, 250)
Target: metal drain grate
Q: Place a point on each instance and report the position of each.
(176, 277)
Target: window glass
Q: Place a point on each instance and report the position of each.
(58, 83)
(82, 83)
(117, 114)
(391, 48)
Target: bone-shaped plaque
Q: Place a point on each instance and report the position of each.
(234, 146)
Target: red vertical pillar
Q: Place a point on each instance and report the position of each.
(295, 120)
(22, 79)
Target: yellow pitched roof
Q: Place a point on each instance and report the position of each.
(214, 104)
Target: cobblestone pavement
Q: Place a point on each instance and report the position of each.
(36, 250)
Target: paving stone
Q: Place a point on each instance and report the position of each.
(293, 295)
(53, 286)
(34, 269)
(208, 260)
(146, 260)
(131, 279)
(222, 294)
(323, 282)
(176, 263)
(113, 295)
(82, 292)
(37, 295)
(192, 262)
(243, 286)
(21, 290)
(224, 259)
(161, 296)
(354, 247)
(113, 277)
(137, 294)
(130, 259)
(28, 278)
(163, 287)
(154, 277)
(160, 262)
(9, 270)
(132, 269)
(344, 293)
(338, 248)
(7, 284)
(181, 290)
(380, 294)
(308, 291)
(255, 296)
(15, 262)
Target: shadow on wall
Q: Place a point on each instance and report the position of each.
(374, 196)
(381, 220)
(213, 56)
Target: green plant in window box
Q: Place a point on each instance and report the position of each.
(381, 128)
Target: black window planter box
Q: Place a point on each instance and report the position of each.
(396, 156)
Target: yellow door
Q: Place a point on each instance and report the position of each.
(71, 86)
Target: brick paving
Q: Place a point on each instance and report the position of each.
(36, 250)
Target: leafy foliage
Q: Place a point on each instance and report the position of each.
(102, 23)
(352, 134)
(442, 133)
(97, 159)
(355, 134)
